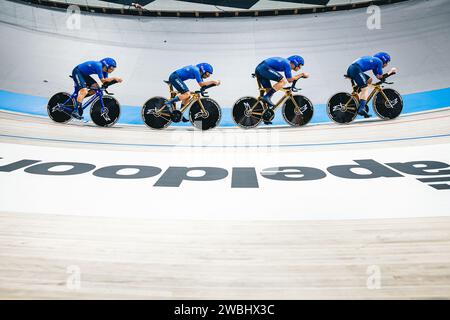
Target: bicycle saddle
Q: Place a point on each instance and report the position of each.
(348, 77)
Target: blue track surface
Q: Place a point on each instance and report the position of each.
(35, 105)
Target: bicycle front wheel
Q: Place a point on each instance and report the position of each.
(300, 113)
(205, 119)
(389, 108)
(107, 116)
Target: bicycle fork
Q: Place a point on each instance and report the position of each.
(391, 105)
(203, 112)
(297, 109)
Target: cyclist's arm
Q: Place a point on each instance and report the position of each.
(391, 72)
(378, 71)
(202, 83)
(288, 74)
(292, 79)
(106, 80)
(379, 74)
(208, 83)
(299, 76)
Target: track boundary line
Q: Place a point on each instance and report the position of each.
(225, 146)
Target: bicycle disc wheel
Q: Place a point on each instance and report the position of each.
(342, 107)
(243, 116)
(388, 109)
(110, 114)
(202, 120)
(55, 107)
(154, 115)
(300, 116)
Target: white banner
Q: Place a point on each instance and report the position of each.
(249, 184)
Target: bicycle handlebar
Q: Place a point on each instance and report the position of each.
(203, 92)
(107, 84)
(293, 88)
(383, 79)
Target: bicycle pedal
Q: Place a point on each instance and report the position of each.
(76, 116)
(268, 115)
(183, 119)
(176, 116)
(365, 114)
(82, 119)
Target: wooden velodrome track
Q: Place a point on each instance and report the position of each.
(175, 259)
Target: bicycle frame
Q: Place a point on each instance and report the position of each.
(378, 87)
(287, 95)
(74, 95)
(194, 98)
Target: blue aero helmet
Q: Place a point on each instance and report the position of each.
(297, 60)
(109, 62)
(205, 67)
(383, 56)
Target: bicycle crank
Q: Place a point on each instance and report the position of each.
(268, 115)
(176, 116)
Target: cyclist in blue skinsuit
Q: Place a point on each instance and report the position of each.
(269, 70)
(81, 75)
(199, 73)
(356, 71)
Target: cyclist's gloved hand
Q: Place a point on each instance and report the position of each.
(393, 71)
(118, 79)
(217, 82)
(305, 75)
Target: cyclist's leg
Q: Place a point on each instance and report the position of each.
(81, 87)
(265, 83)
(264, 80)
(363, 96)
(265, 74)
(364, 86)
(183, 91)
(271, 74)
(91, 83)
(362, 81)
